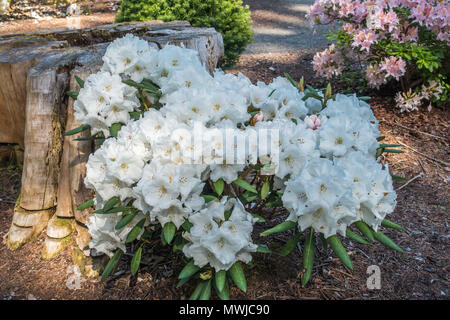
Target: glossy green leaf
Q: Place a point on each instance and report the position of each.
(136, 231)
(389, 224)
(309, 250)
(290, 245)
(238, 276)
(393, 151)
(77, 130)
(265, 189)
(355, 237)
(112, 264)
(340, 251)
(208, 198)
(189, 270)
(85, 205)
(365, 230)
(245, 185)
(126, 219)
(169, 231)
(73, 94)
(219, 185)
(136, 261)
(206, 292)
(114, 129)
(79, 81)
(386, 241)
(187, 225)
(198, 290)
(220, 278)
(263, 248)
(284, 226)
(225, 293)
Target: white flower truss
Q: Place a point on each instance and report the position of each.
(322, 161)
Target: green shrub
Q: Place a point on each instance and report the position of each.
(229, 17)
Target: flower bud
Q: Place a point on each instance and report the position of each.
(313, 122)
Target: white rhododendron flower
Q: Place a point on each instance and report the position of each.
(182, 130)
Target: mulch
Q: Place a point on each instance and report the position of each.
(421, 272)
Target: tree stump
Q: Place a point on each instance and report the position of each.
(35, 111)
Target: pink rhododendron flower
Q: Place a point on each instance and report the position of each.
(394, 66)
(313, 122)
(364, 39)
(375, 76)
(328, 62)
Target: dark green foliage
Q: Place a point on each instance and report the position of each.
(229, 17)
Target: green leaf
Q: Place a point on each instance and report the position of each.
(398, 178)
(220, 279)
(339, 250)
(206, 292)
(245, 185)
(383, 145)
(113, 210)
(136, 261)
(265, 189)
(86, 205)
(290, 245)
(393, 151)
(292, 81)
(198, 290)
(182, 282)
(260, 219)
(381, 138)
(386, 241)
(136, 231)
(309, 250)
(219, 185)
(263, 248)
(112, 264)
(225, 293)
(169, 231)
(114, 129)
(237, 274)
(208, 198)
(179, 243)
(389, 224)
(79, 81)
(248, 197)
(77, 130)
(187, 225)
(126, 219)
(284, 226)
(364, 229)
(189, 270)
(111, 203)
(355, 237)
(72, 94)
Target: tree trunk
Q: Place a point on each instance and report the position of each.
(34, 113)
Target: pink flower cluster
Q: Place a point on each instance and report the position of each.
(329, 62)
(367, 26)
(381, 18)
(395, 67)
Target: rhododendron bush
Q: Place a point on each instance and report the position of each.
(197, 160)
(383, 41)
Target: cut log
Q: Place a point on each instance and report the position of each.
(34, 112)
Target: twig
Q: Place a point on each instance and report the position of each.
(425, 155)
(421, 164)
(409, 181)
(425, 133)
